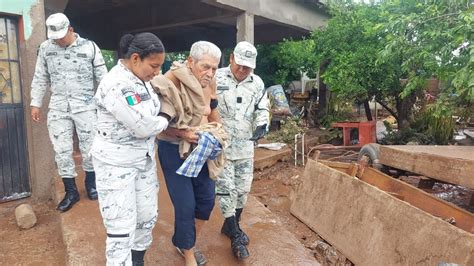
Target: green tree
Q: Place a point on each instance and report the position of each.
(283, 62)
(387, 50)
(348, 49)
(431, 39)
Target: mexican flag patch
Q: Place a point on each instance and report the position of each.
(133, 99)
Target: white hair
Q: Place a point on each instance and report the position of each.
(201, 48)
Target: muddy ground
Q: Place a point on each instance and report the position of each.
(42, 244)
(273, 187)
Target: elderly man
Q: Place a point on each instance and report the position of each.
(243, 106)
(187, 99)
(68, 64)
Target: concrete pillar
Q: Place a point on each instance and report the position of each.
(245, 27)
(40, 152)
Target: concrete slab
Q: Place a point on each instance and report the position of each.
(371, 227)
(271, 244)
(453, 164)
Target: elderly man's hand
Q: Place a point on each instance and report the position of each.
(189, 135)
(259, 132)
(35, 113)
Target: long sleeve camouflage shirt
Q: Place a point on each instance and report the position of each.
(242, 106)
(70, 73)
(127, 119)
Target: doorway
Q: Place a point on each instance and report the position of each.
(14, 177)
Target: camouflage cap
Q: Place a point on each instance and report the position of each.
(57, 24)
(245, 54)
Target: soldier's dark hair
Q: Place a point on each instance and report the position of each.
(143, 44)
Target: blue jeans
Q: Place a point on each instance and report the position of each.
(192, 197)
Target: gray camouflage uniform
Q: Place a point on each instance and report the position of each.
(70, 73)
(239, 116)
(123, 152)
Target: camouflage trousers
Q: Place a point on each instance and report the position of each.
(233, 185)
(60, 127)
(128, 201)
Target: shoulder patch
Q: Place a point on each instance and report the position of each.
(144, 96)
(133, 99)
(222, 88)
(128, 91)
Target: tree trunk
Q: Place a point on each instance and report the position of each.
(323, 103)
(368, 112)
(405, 111)
(392, 112)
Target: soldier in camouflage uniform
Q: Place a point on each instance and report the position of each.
(124, 149)
(68, 64)
(243, 106)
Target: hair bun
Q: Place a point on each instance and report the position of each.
(125, 42)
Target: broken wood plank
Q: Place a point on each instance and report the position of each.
(264, 158)
(371, 227)
(352, 170)
(408, 193)
(453, 164)
(420, 199)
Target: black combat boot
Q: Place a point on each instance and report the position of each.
(71, 197)
(90, 186)
(238, 248)
(245, 238)
(138, 257)
(226, 230)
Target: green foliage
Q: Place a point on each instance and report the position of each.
(434, 125)
(405, 136)
(109, 58)
(289, 128)
(267, 65)
(338, 110)
(333, 117)
(439, 123)
(176, 56)
(370, 48)
(431, 39)
(283, 62)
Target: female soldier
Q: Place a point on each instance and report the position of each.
(123, 149)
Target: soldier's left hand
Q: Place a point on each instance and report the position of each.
(259, 132)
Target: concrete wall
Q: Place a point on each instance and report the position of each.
(290, 12)
(32, 33)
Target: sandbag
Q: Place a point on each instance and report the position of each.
(278, 99)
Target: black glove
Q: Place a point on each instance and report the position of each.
(259, 132)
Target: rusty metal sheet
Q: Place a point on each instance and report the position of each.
(452, 164)
(371, 227)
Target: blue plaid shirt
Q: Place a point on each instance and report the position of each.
(208, 148)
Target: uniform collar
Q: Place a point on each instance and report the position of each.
(75, 41)
(229, 74)
(129, 72)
